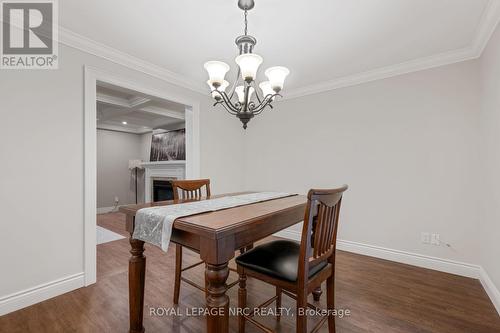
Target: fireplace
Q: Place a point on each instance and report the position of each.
(162, 189)
(161, 171)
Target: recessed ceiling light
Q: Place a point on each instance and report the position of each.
(124, 122)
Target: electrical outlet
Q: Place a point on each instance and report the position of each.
(117, 200)
(425, 237)
(435, 239)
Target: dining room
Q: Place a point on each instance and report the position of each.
(250, 166)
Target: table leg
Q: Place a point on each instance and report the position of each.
(136, 275)
(217, 300)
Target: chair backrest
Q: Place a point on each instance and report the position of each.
(319, 232)
(190, 189)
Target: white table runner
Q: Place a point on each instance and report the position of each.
(154, 225)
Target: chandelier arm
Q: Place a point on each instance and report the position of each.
(256, 92)
(263, 107)
(270, 104)
(217, 100)
(227, 102)
(267, 101)
(228, 110)
(221, 102)
(258, 110)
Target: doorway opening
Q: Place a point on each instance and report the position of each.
(134, 135)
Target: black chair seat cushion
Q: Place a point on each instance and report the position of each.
(278, 259)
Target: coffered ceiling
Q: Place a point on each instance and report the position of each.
(325, 43)
(123, 110)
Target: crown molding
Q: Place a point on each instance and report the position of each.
(384, 73)
(486, 28)
(112, 100)
(138, 101)
(117, 128)
(135, 104)
(489, 20)
(164, 112)
(76, 41)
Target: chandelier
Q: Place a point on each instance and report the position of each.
(238, 101)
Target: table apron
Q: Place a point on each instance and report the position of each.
(220, 250)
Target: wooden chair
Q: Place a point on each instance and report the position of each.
(297, 269)
(188, 189)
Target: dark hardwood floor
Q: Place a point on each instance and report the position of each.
(382, 296)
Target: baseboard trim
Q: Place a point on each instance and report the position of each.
(490, 288)
(40, 293)
(409, 258)
(414, 259)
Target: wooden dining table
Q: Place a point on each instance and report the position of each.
(215, 236)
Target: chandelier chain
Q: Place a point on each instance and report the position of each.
(246, 22)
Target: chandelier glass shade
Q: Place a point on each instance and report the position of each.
(245, 99)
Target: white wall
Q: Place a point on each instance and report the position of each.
(114, 179)
(41, 144)
(407, 147)
(489, 195)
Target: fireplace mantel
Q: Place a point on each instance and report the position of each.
(163, 170)
(161, 163)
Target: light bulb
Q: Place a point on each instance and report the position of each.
(249, 64)
(216, 71)
(240, 91)
(276, 76)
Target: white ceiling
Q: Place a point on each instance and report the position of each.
(320, 41)
(141, 113)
